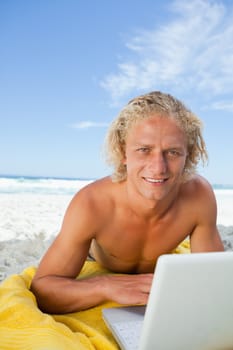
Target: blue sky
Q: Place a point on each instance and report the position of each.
(67, 67)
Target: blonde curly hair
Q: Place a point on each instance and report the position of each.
(143, 107)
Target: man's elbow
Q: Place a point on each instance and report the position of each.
(45, 296)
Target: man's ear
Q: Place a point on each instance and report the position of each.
(124, 160)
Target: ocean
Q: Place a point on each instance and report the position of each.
(35, 206)
(32, 207)
(66, 186)
(41, 185)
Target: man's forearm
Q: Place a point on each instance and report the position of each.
(61, 295)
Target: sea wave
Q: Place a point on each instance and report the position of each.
(37, 185)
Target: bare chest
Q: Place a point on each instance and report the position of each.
(133, 245)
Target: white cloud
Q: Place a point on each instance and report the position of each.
(192, 52)
(223, 106)
(89, 124)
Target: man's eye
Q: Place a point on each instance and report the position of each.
(143, 149)
(173, 153)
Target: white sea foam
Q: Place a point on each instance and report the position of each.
(225, 206)
(12, 185)
(33, 206)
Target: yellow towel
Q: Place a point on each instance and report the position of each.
(24, 327)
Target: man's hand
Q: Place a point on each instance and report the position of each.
(128, 289)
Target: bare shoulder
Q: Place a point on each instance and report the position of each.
(95, 194)
(203, 208)
(93, 202)
(201, 199)
(198, 188)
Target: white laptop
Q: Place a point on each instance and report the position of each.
(190, 306)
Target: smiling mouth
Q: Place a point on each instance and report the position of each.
(155, 181)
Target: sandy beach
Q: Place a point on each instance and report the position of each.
(30, 221)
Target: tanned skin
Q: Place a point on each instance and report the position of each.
(127, 225)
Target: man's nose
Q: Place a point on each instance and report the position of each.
(158, 163)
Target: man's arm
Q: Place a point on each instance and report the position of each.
(55, 285)
(205, 237)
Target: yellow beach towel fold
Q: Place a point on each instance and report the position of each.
(24, 327)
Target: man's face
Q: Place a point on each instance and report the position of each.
(155, 155)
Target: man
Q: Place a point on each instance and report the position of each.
(152, 202)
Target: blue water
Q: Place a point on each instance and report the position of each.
(53, 185)
(222, 187)
(40, 185)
